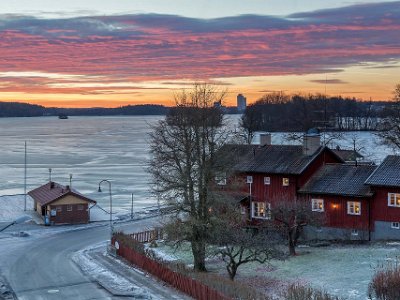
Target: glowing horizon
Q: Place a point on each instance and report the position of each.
(114, 60)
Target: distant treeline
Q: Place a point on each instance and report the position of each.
(16, 109)
(280, 112)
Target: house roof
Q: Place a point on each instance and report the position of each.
(347, 155)
(340, 179)
(387, 174)
(278, 159)
(53, 191)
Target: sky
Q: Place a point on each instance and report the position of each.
(96, 53)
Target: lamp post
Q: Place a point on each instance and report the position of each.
(109, 189)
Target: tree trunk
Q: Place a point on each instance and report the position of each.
(199, 254)
(292, 244)
(232, 269)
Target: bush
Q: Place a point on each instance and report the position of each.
(299, 292)
(385, 285)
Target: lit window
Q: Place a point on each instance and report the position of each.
(249, 179)
(394, 199)
(395, 225)
(69, 207)
(261, 210)
(285, 181)
(267, 180)
(220, 179)
(354, 232)
(354, 208)
(80, 207)
(317, 205)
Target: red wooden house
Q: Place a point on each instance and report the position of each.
(275, 173)
(385, 209)
(338, 192)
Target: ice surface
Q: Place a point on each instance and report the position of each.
(96, 148)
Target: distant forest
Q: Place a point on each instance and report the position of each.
(16, 109)
(280, 112)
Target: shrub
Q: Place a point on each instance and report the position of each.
(385, 285)
(299, 292)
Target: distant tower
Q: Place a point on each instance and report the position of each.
(241, 103)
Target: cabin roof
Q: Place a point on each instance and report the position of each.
(340, 179)
(52, 191)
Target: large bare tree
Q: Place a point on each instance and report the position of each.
(184, 164)
(390, 133)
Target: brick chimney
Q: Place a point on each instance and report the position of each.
(311, 142)
(265, 139)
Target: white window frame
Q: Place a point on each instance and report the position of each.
(317, 205)
(285, 181)
(354, 232)
(351, 208)
(265, 209)
(80, 207)
(267, 180)
(69, 207)
(395, 225)
(249, 179)
(396, 198)
(220, 179)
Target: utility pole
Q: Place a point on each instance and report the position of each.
(25, 161)
(49, 174)
(132, 207)
(70, 181)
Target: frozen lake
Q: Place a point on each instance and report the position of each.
(96, 148)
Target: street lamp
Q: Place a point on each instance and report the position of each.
(109, 189)
(19, 220)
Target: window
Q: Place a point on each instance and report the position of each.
(243, 210)
(69, 207)
(285, 181)
(317, 205)
(249, 179)
(220, 179)
(354, 232)
(395, 225)
(394, 199)
(59, 208)
(80, 207)
(267, 180)
(261, 210)
(354, 208)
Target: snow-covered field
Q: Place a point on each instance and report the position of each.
(341, 270)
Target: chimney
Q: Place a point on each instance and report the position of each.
(311, 142)
(51, 185)
(265, 139)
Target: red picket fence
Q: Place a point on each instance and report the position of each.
(147, 236)
(181, 282)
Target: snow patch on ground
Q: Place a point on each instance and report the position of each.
(107, 278)
(12, 207)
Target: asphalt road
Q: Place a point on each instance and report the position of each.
(43, 269)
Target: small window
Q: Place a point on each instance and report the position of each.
(249, 179)
(220, 178)
(285, 181)
(354, 208)
(59, 208)
(243, 210)
(69, 207)
(395, 225)
(261, 210)
(267, 180)
(354, 232)
(317, 205)
(80, 207)
(393, 199)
